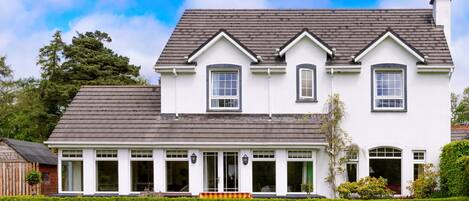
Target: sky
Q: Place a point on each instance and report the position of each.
(140, 28)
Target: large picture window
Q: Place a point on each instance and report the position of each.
(72, 170)
(299, 171)
(107, 172)
(224, 89)
(263, 171)
(142, 170)
(177, 171)
(386, 162)
(389, 87)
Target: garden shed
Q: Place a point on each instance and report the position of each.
(17, 158)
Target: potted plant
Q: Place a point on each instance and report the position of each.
(33, 178)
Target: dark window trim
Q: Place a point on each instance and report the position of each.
(388, 66)
(223, 67)
(306, 100)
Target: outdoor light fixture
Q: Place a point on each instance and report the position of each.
(193, 158)
(245, 159)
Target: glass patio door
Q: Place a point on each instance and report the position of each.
(221, 171)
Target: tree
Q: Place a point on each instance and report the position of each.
(50, 58)
(460, 108)
(5, 70)
(336, 138)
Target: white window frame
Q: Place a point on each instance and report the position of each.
(96, 160)
(384, 157)
(152, 159)
(375, 89)
(315, 175)
(166, 159)
(301, 83)
(418, 161)
(211, 96)
(176, 158)
(353, 160)
(59, 170)
(267, 159)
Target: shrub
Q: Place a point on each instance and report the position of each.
(366, 188)
(454, 168)
(33, 177)
(425, 185)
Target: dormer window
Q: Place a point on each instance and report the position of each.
(306, 83)
(224, 89)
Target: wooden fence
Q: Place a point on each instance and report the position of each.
(12, 179)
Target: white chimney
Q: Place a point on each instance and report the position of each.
(442, 16)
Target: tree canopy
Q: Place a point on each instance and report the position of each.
(30, 108)
(460, 107)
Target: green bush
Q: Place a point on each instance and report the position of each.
(33, 177)
(454, 168)
(39, 198)
(366, 188)
(425, 185)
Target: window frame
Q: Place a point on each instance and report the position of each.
(223, 68)
(264, 159)
(353, 158)
(299, 97)
(391, 67)
(418, 161)
(312, 159)
(96, 160)
(59, 167)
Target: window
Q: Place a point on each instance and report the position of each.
(306, 83)
(141, 170)
(299, 170)
(389, 87)
(224, 90)
(107, 171)
(263, 171)
(352, 166)
(386, 162)
(72, 170)
(419, 162)
(177, 171)
(230, 171)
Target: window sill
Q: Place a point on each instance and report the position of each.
(224, 111)
(390, 111)
(306, 100)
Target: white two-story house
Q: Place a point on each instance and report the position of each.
(241, 98)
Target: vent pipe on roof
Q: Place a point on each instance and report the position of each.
(442, 16)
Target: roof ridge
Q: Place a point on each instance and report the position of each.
(120, 86)
(312, 9)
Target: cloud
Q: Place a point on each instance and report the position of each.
(141, 38)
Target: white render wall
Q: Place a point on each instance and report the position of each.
(425, 125)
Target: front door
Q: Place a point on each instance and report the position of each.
(221, 171)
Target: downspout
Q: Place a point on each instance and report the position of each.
(268, 93)
(332, 81)
(175, 94)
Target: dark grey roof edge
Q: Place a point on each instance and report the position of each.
(311, 9)
(35, 152)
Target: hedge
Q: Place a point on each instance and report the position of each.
(41, 198)
(454, 169)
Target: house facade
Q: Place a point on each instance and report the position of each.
(242, 96)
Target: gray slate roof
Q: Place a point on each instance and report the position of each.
(459, 133)
(348, 31)
(132, 114)
(32, 152)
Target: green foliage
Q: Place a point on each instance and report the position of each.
(425, 185)
(454, 176)
(308, 188)
(337, 139)
(5, 70)
(33, 177)
(41, 198)
(460, 107)
(366, 188)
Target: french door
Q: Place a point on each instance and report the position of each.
(221, 171)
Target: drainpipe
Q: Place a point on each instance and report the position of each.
(332, 81)
(175, 93)
(268, 93)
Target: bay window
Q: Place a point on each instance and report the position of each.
(72, 170)
(107, 173)
(141, 170)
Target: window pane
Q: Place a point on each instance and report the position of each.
(107, 176)
(389, 89)
(72, 153)
(224, 89)
(299, 173)
(142, 176)
(230, 171)
(210, 171)
(418, 170)
(263, 176)
(72, 175)
(306, 83)
(389, 169)
(352, 172)
(177, 176)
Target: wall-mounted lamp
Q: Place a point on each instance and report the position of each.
(193, 158)
(245, 159)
